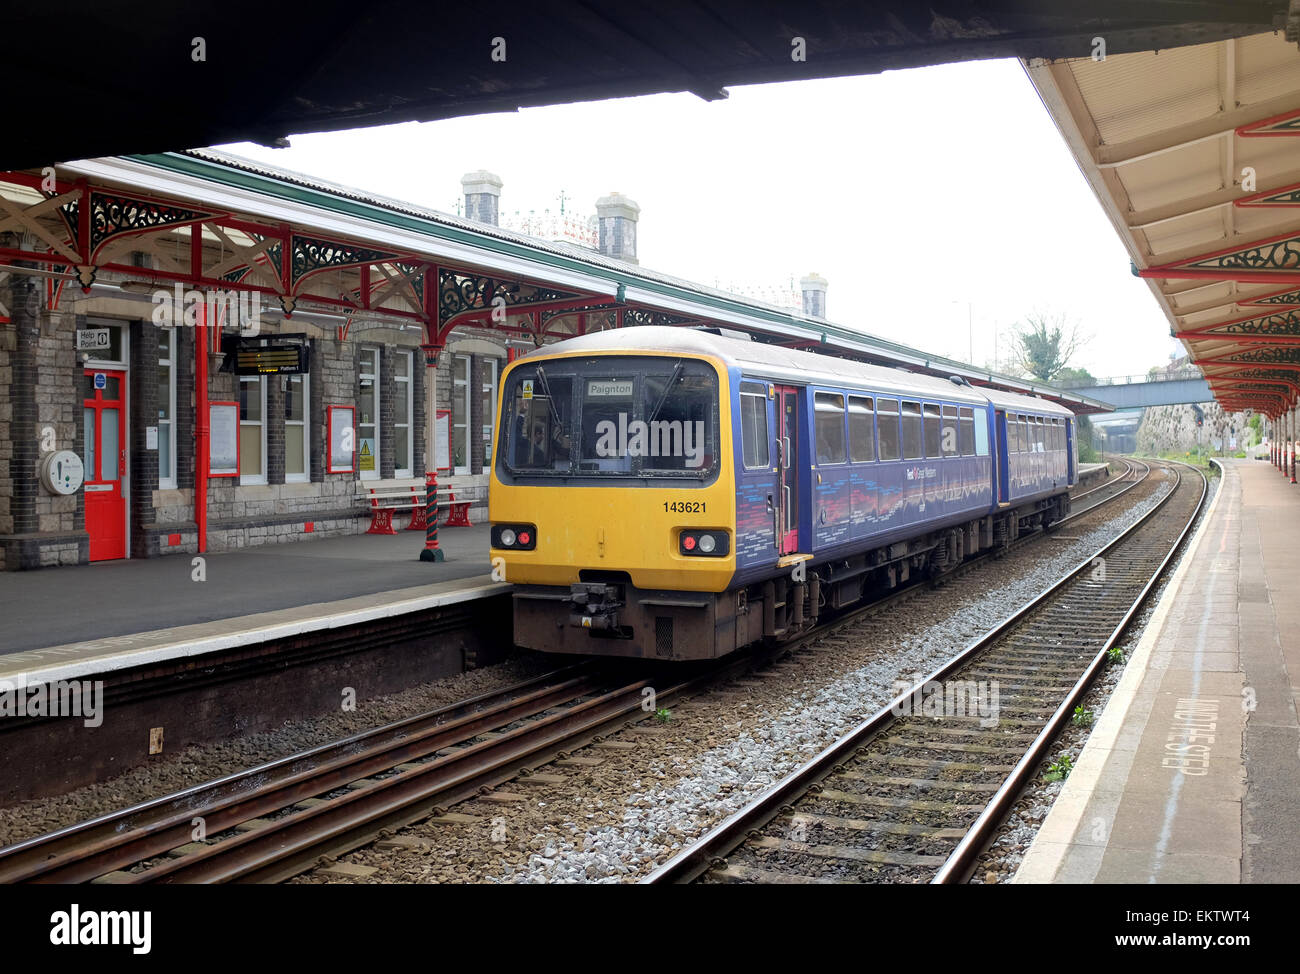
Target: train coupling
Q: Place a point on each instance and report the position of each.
(595, 605)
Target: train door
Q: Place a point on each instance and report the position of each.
(1000, 445)
(1070, 455)
(787, 405)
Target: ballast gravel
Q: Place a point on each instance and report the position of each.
(617, 820)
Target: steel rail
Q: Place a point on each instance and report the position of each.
(698, 858)
(122, 837)
(961, 861)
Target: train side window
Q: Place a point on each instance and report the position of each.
(1059, 428)
(950, 442)
(862, 432)
(981, 431)
(1040, 436)
(829, 410)
(1025, 443)
(966, 431)
(887, 419)
(912, 431)
(753, 424)
(933, 431)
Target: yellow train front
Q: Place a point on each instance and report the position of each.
(611, 499)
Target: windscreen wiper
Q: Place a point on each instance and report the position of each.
(677, 370)
(550, 400)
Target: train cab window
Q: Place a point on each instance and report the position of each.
(829, 410)
(933, 430)
(540, 430)
(966, 431)
(887, 420)
(609, 417)
(912, 431)
(862, 432)
(949, 441)
(753, 424)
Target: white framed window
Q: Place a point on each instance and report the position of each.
(252, 429)
(368, 415)
(167, 409)
(460, 451)
(490, 367)
(297, 437)
(403, 410)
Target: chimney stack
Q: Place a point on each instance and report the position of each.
(482, 195)
(814, 294)
(617, 216)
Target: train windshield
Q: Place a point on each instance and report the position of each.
(610, 417)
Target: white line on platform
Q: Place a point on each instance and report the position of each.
(160, 645)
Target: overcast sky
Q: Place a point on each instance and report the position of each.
(913, 192)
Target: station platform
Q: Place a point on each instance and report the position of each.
(67, 622)
(1090, 475)
(1192, 773)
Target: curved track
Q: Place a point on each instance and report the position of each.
(276, 820)
(914, 793)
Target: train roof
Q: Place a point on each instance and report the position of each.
(800, 367)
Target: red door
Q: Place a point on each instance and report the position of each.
(787, 407)
(104, 456)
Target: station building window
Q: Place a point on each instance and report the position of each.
(297, 441)
(166, 409)
(891, 447)
(491, 370)
(460, 458)
(403, 410)
(753, 424)
(912, 431)
(368, 414)
(862, 429)
(830, 427)
(252, 429)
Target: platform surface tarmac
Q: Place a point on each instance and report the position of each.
(54, 606)
(1192, 774)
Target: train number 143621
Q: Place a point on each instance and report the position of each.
(684, 507)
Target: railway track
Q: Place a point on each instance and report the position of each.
(1112, 488)
(916, 791)
(274, 821)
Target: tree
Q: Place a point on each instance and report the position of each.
(1044, 344)
(1074, 377)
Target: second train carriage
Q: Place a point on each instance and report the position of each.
(670, 493)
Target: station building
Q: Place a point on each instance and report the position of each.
(136, 291)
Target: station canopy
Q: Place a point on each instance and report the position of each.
(1195, 155)
(95, 79)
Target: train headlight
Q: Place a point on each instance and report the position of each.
(516, 537)
(707, 544)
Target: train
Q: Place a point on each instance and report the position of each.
(679, 494)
